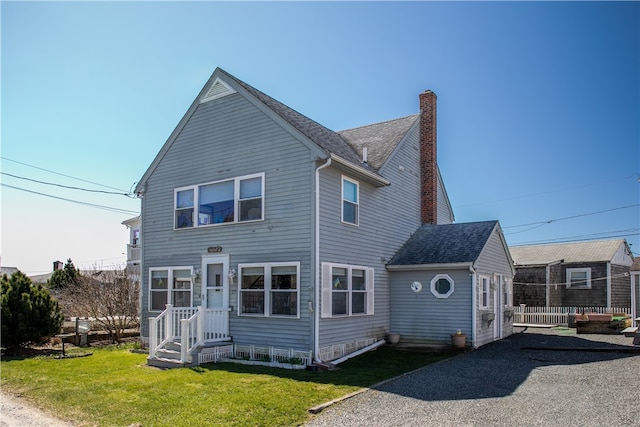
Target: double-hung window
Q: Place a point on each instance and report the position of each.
(485, 286)
(172, 285)
(347, 290)
(269, 289)
(350, 196)
(578, 277)
(237, 199)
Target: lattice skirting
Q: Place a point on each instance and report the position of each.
(270, 355)
(336, 351)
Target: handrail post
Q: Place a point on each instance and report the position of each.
(153, 337)
(200, 323)
(168, 332)
(184, 340)
(522, 306)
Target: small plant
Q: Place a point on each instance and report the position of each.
(265, 358)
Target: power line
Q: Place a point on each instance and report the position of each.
(597, 236)
(91, 205)
(66, 186)
(549, 221)
(61, 174)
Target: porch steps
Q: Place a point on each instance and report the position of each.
(168, 357)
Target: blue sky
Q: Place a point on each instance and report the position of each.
(538, 104)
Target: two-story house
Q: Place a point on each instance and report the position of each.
(266, 232)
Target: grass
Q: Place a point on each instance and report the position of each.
(114, 387)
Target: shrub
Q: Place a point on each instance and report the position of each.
(29, 313)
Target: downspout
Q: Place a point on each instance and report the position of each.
(316, 325)
(474, 311)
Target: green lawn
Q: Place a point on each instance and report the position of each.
(114, 387)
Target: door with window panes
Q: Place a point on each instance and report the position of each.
(215, 281)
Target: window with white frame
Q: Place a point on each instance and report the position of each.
(350, 196)
(578, 277)
(506, 292)
(172, 285)
(269, 289)
(485, 287)
(237, 199)
(347, 290)
(442, 286)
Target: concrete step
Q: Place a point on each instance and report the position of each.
(164, 353)
(163, 363)
(630, 331)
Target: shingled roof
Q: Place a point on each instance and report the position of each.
(593, 251)
(445, 244)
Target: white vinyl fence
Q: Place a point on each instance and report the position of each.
(557, 315)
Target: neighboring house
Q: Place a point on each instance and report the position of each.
(441, 272)
(635, 290)
(578, 274)
(133, 247)
(8, 271)
(280, 229)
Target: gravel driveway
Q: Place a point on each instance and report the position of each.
(537, 377)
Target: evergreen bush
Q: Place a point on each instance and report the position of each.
(29, 314)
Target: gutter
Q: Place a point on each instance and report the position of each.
(316, 323)
(422, 267)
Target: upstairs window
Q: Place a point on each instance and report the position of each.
(238, 199)
(350, 201)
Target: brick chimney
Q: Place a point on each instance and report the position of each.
(428, 159)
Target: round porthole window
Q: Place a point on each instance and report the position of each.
(442, 286)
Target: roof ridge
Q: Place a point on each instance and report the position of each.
(378, 123)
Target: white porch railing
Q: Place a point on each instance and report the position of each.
(558, 315)
(191, 326)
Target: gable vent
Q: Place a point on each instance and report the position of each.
(218, 90)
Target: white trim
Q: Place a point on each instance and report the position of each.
(366, 174)
(474, 311)
(266, 311)
(435, 280)
(587, 281)
(608, 284)
(342, 200)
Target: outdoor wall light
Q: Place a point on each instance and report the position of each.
(231, 275)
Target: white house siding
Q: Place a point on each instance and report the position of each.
(226, 138)
(493, 260)
(419, 317)
(388, 216)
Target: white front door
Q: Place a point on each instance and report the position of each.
(215, 281)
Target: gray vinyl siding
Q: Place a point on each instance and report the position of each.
(226, 138)
(387, 217)
(420, 317)
(493, 260)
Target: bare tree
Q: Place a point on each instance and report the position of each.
(108, 297)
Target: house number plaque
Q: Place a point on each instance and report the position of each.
(214, 249)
